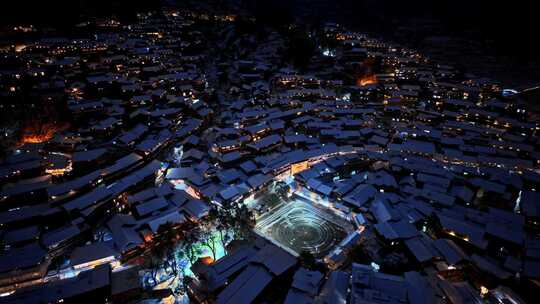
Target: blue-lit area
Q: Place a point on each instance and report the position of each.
(172, 278)
(329, 52)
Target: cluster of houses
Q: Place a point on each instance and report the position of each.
(439, 174)
(88, 195)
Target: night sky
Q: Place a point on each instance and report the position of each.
(512, 25)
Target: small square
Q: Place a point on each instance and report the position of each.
(301, 225)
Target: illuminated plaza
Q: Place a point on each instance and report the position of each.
(300, 225)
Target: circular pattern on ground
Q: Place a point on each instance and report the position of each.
(302, 227)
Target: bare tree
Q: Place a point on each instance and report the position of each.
(208, 238)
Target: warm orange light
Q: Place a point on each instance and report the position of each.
(207, 260)
(299, 167)
(191, 191)
(37, 133)
(366, 80)
(148, 237)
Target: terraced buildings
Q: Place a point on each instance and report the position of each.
(197, 163)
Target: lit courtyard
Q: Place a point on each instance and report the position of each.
(300, 225)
